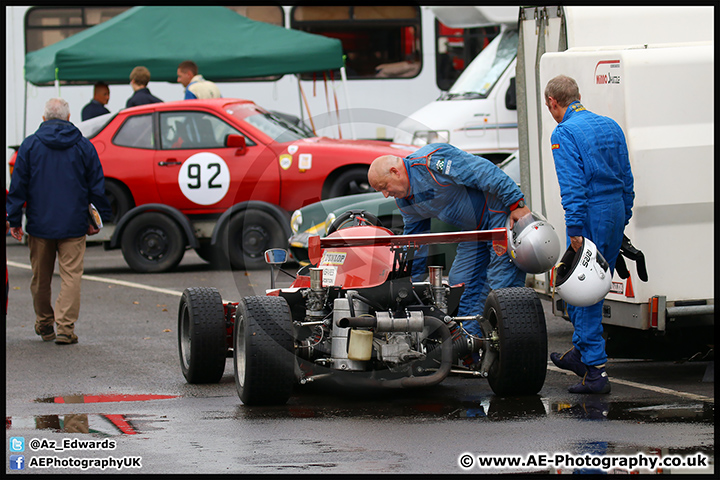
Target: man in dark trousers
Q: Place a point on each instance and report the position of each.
(139, 79)
(96, 107)
(57, 176)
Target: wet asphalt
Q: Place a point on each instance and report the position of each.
(122, 383)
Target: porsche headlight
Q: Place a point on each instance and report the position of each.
(423, 137)
(329, 221)
(296, 221)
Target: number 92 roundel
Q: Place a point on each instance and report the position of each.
(204, 178)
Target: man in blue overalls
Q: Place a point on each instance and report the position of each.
(596, 186)
(470, 192)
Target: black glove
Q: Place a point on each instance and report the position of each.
(629, 251)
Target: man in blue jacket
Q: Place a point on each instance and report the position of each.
(441, 181)
(596, 187)
(139, 79)
(57, 175)
(96, 107)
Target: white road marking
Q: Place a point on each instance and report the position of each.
(113, 281)
(666, 391)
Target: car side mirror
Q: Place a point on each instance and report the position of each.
(273, 257)
(236, 141)
(276, 256)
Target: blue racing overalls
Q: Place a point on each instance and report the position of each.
(471, 193)
(596, 186)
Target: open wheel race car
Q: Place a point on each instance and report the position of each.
(356, 314)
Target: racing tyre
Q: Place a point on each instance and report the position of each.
(120, 200)
(247, 236)
(263, 351)
(517, 317)
(152, 243)
(350, 182)
(202, 335)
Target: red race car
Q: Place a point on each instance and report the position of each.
(357, 317)
(224, 171)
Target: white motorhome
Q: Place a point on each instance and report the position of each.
(371, 35)
(478, 113)
(651, 70)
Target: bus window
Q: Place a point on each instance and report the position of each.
(456, 48)
(378, 41)
(47, 25)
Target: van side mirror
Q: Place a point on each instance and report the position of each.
(511, 96)
(237, 141)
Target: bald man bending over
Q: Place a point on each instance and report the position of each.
(441, 181)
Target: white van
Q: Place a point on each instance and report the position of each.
(478, 113)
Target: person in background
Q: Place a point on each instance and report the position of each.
(596, 187)
(57, 176)
(195, 85)
(139, 79)
(96, 107)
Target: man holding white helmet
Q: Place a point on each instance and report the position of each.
(596, 186)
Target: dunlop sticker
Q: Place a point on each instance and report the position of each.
(333, 258)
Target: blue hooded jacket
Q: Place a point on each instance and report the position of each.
(58, 173)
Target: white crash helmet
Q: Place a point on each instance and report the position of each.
(533, 244)
(583, 278)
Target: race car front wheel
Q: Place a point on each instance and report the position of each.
(263, 353)
(202, 335)
(518, 322)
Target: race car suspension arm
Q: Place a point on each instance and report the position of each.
(488, 343)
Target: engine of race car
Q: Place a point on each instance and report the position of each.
(400, 327)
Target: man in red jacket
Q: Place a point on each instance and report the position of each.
(57, 175)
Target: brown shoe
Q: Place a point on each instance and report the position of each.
(66, 339)
(46, 332)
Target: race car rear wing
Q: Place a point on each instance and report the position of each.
(498, 237)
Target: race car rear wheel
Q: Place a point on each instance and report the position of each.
(263, 351)
(202, 335)
(517, 318)
(248, 234)
(152, 243)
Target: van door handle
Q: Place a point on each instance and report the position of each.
(170, 162)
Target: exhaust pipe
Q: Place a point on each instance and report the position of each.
(446, 350)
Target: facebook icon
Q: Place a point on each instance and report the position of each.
(17, 462)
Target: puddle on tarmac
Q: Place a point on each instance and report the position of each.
(104, 398)
(599, 409)
(100, 424)
(488, 408)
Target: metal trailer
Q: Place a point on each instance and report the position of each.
(651, 70)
